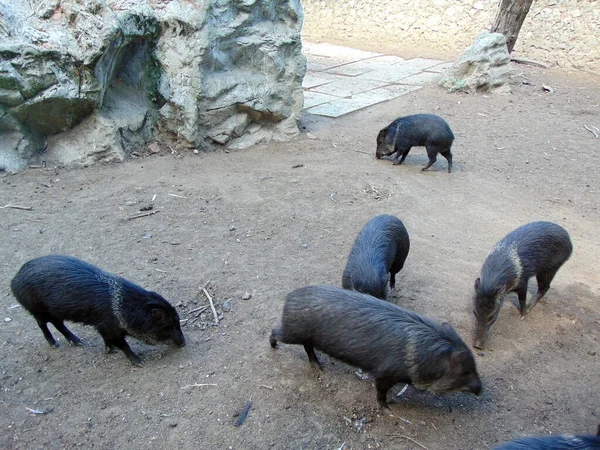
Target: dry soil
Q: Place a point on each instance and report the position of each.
(261, 222)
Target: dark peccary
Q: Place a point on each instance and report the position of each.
(55, 288)
(380, 247)
(536, 248)
(426, 130)
(562, 442)
(395, 345)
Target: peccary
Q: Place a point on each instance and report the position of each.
(55, 288)
(380, 247)
(394, 344)
(536, 248)
(426, 130)
(559, 442)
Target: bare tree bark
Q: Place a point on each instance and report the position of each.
(509, 18)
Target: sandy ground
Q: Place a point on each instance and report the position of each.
(253, 222)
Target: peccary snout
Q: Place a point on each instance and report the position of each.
(56, 288)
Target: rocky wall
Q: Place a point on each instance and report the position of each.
(563, 33)
(98, 80)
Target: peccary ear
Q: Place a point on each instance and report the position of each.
(456, 361)
(477, 283)
(158, 314)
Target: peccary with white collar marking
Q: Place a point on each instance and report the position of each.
(380, 247)
(536, 248)
(394, 344)
(55, 288)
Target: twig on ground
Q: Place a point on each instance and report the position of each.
(360, 151)
(401, 436)
(202, 308)
(143, 215)
(33, 220)
(210, 301)
(10, 205)
(266, 387)
(198, 385)
(38, 412)
(591, 130)
(178, 196)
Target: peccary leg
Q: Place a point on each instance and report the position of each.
(448, 157)
(383, 385)
(124, 346)
(432, 154)
(401, 155)
(60, 326)
(392, 280)
(312, 358)
(44, 327)
(273, 339)
(522, 293)
(544, 280)
(112, 340)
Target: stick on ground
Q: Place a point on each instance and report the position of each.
(10, 205)
(143, 215)
(401, 436)
(210, 301)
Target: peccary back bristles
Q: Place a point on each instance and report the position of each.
(381, 247)
(561, 442)
(55, 288)
(394, 344)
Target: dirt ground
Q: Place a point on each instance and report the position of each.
(280, 216)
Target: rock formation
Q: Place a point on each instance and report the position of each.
(483, 67)
(95, 80)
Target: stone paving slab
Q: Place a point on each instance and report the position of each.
(340, 80)
(346, 105)
(312, 79)
(342, 106)
(423, 63)
(422, 78)
(390, 74)
(440, 68)
(366, 65)
(321, 57)
(346, 87)
(312, 98)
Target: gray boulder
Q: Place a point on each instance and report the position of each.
(97, 80)
(482, 67)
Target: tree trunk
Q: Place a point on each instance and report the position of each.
(509, 18)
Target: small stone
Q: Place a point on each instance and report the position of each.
(480, 354)
(305, 245)
(173, 424)
(154, 148)
(7, 319)
(231, 228)
(195, 151)
(311, 136)
(246, 296)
